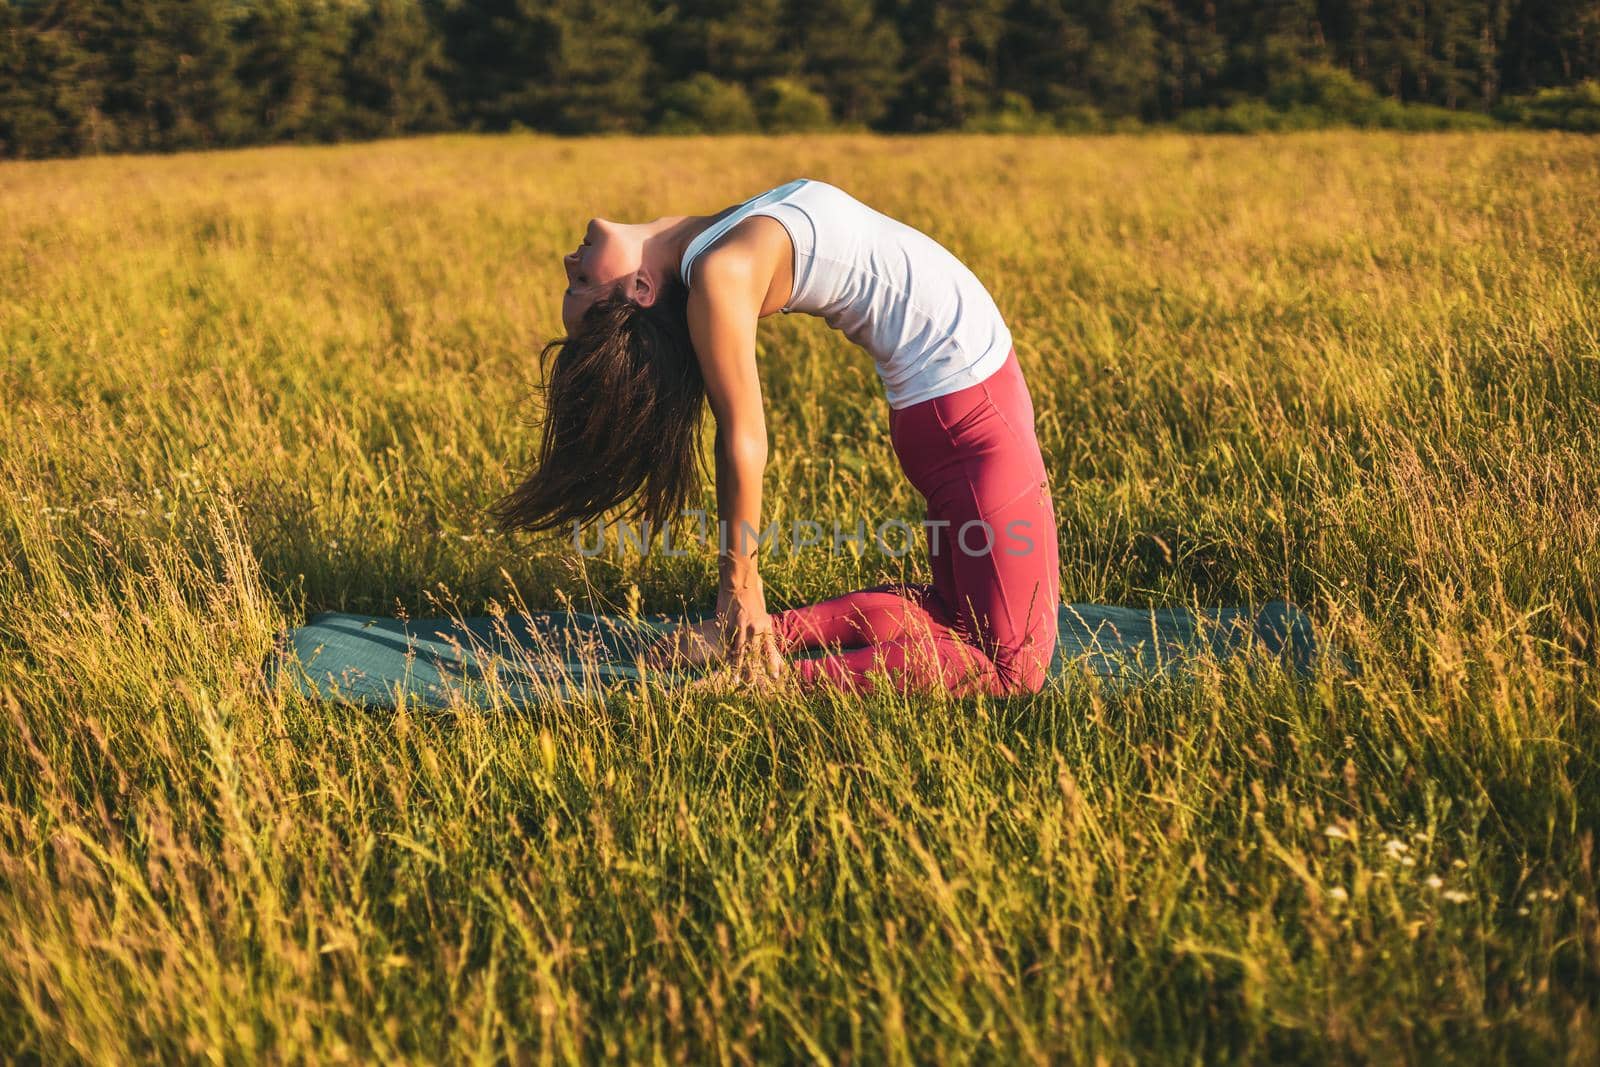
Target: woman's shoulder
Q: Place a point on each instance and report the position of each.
(752, 241)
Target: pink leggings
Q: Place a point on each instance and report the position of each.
(987, 623)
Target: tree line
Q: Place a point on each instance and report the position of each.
(80, 76)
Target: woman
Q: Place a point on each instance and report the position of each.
(661, 316)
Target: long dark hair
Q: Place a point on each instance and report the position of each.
(623, 398)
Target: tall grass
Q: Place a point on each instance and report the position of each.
(1358, 370)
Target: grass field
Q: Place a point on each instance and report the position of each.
(1361, 371)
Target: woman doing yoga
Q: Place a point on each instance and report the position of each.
(661, 316)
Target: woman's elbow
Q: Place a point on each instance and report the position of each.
(744, 451)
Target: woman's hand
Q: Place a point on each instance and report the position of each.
(747, 638)
(740, 633)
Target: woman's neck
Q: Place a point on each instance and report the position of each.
(672, 237)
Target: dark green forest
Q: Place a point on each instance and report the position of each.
(88, 76)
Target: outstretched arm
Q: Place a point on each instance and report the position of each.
(723, 307)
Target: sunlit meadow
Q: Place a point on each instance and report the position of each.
(1358, 371)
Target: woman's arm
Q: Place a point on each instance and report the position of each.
(723, 307)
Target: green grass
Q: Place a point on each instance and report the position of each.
(1358, 370)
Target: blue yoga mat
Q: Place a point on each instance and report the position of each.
(556, 656)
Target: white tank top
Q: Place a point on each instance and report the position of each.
(930, 325)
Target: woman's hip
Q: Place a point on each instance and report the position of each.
(979, 440)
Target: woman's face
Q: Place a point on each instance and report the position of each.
(608, 257)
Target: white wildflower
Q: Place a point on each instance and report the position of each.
(1434, 881)
(1336, 832)
(1456, 896)
(1338, 893)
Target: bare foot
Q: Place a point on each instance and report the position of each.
(696, 644)
(719, 682)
